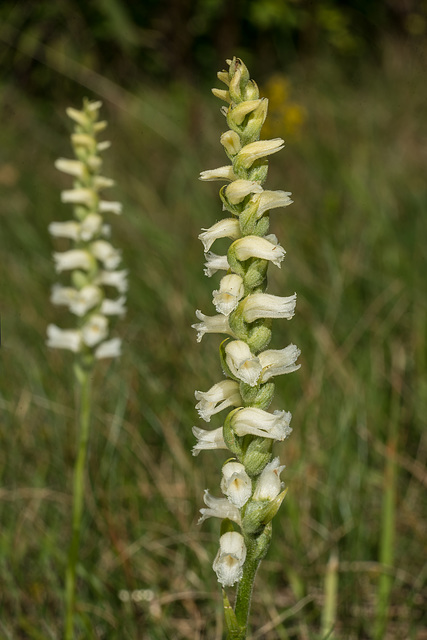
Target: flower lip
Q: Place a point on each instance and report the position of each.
(219, 508)
(211, 324)
(242, 363)
(256, 247)
(222, 395)
(231, 556)
(236, 484)
(257, 422)
(207, 440)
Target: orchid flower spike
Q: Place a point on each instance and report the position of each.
(250, 479)
(92, 261)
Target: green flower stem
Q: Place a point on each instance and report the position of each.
(84, 399)
(244, 594)
(257, 547)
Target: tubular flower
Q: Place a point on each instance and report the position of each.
(231, 289)
(92, 260)
(251, 476)
(229, 561)
(222, 395)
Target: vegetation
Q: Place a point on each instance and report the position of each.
(350, 535)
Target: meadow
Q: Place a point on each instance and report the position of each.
(349, 542)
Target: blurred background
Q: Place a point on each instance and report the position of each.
(347, 90)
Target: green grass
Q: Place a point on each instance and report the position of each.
(355, 241)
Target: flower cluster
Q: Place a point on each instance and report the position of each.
(251, 478)
(92, 260)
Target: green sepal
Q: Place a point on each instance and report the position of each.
(254, 275)
(239, 81)
(257, 454)
(237, 325)
(79, 279)
(258, 171)
(251, 91)
(251, 224)
(235, 264)
(259, 397)
(262, 543)
(232, 441)
(258, 513)
(262, 226)
(259, 335)
(255, 121)
(234, 630)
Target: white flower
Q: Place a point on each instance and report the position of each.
(62, 295)
(95, 330)
(226, 228)
(86, 197)
(230, 140)
(211, 324)
(222, 395)
(258, 422)
(116, 279)
(109, 349)
(242, 363)
(101, 182)
(239, 189)
(94, 106)
(73, 259)
(78, 301)
(271, 200)
(87, 298)
(69, 229)
(102, 146)
(229, 561)
(72, 167)
(240, 111)
(114, 307)
(222, 94)
(256, 247)
(236, 484)
(231, 290)
(255, 150)
(264, 305)
(207, 440)
(215, 263)
(57, 338)
(268, 484)
(110, 207)
(218, 508)
(276, 362)
(78, 116)
(106, 253)
(84, 140)
(223, 173)
(90, 226)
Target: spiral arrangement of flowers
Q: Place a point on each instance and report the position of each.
(92, 260)
(251, 476)
(96, 294)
